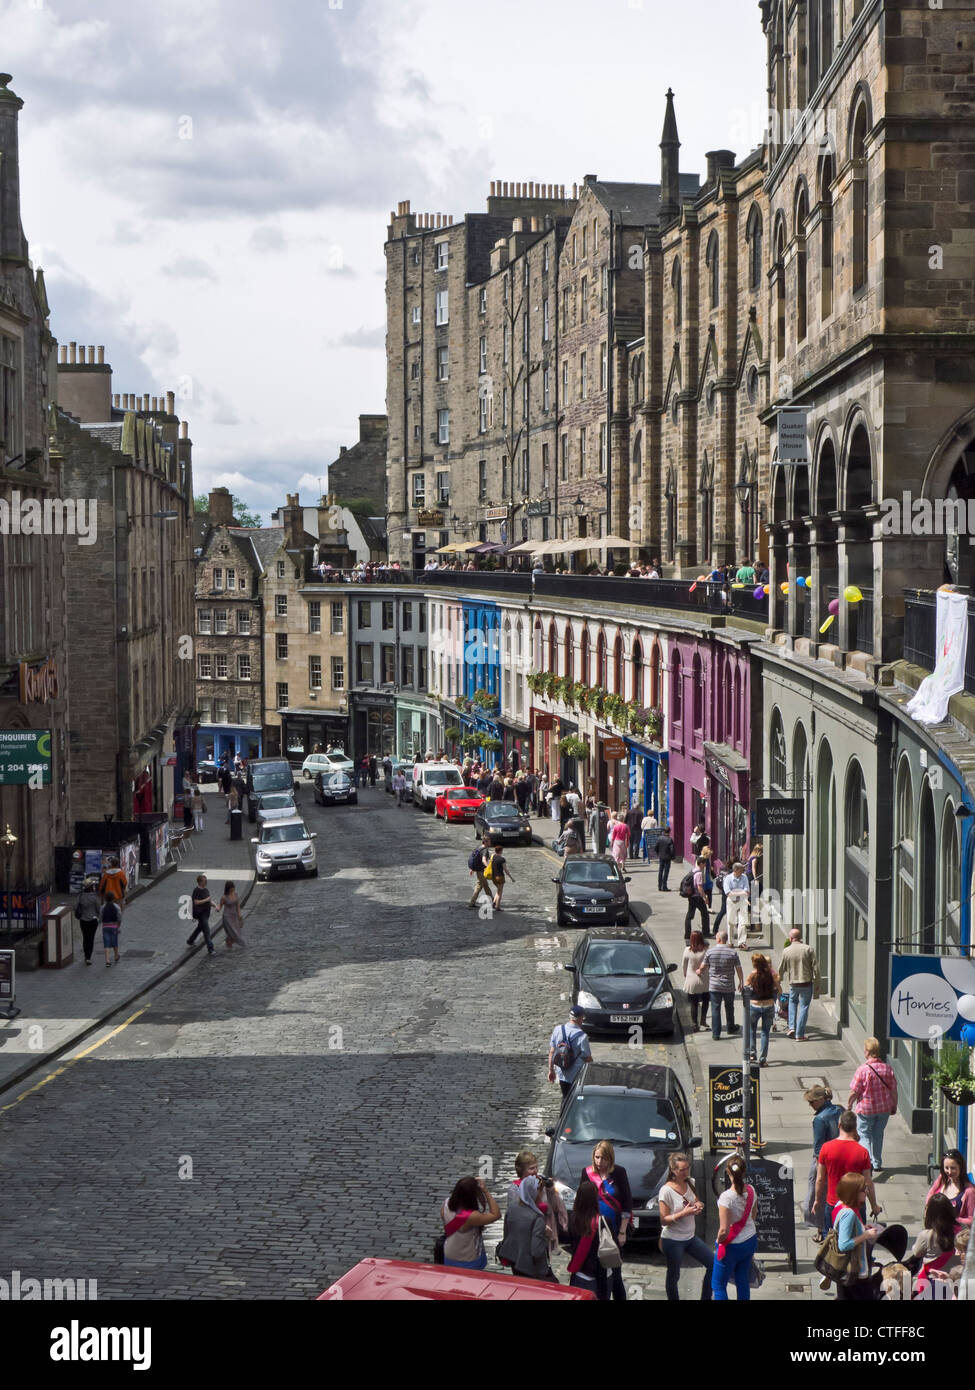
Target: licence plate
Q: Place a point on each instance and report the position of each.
(286, 868)
(593, 909)
(626, 1018)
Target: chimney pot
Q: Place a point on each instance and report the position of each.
(62, 353)
(101, 356)
(115, 400)
(184, 429)
(72, 352)
(170, 402)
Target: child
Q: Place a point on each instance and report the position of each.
(499, 871)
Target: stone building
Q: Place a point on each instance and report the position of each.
(229, 631)
(129, 599)
(34, 704)
(359, 472)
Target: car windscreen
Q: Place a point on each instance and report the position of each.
(623, 1119)
(276, 802)
(441, 779)
(458, 794)
(271, 778)
(498, 810)
(590, 871)
(337, 758)
(282, 834)
(336, 779)
(621, 958)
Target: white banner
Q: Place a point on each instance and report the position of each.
(930, 704)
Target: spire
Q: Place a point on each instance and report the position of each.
(669, 164)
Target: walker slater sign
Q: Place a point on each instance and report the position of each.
(781, 816)
(725, 1097)
(25, 753)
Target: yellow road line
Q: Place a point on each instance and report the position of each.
(53, 1075)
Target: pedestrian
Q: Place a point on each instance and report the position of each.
(826, 1126)
(388, 772)
(873, 1094)
(666, 849)
(649, 835)
(187, 800)
(935, 1246)
(522, 793)
(87, 911)
(692, 888)
(478, 863)
(111, 925)
(199, 807)
(509, 790)
(736, 889)
(696, 986)
(954, 1183)
(399, 787)
(840, 1156)
(799, 973)
(599, 827)
(854, 1238)
(565, 812)
(575, 800)
(233, 803)
(764, 985)
(737, 1235)
(568, 842)
(615, 1208)
(718, 870)
(373, 769)
(202, 904)
(584, 1239)
(699, 839)
(225, 778)
(498, 875)
(556, 1217)
(755, 869)
(679, 1208)
(568, 1050)
(634, 824)
(554, 796)
(233, 922)
(619, 839)
(113, 885)
(468, 1209)
(525, 1244)
(723, 965)
(541, 798)
(709, 868)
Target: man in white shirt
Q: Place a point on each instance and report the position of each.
(736, 890)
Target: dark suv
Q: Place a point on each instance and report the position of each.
(267, 775)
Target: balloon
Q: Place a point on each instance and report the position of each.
(834, 606)
(759, 592)
(784, 587)
(701, 578)
(828, 623)
(800, 582)
(765, 588)
(809, 581)
(693, 586)
(968, 1035)
(852, 594)
(966, 1007)
(961, 974)
(737, 586)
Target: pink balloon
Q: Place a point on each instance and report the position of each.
(834, 605)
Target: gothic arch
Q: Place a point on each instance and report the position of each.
(858, 454)
(859, 99)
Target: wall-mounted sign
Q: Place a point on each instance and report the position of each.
(23, 754)
(725, 1098)
(429, 518)
(931, 996)
(793, 445)
(38, 684)
(496, 514)
(614, 749)
(538, 509)
(780, 816)
(544, 722)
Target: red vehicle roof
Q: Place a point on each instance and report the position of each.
(402, 1280)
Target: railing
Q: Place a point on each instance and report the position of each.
(500, 581)
(920, 627)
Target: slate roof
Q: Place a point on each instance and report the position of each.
(639, 203)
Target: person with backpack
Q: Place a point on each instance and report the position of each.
(498, 872)
(478, 862)
(737, 1235)
(568, 1050)
(111, 923)
(666, 849)
(525, 1243)
(692, 888)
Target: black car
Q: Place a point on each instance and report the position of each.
(332, 788)
(592, 891)
(619, 978)
(207, 772)
(643, 1112)
(504, 822)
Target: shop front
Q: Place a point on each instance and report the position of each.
(215, 741)
(546, 733)
(648, 780)
(612, 770)
(517, 744)
(307, 731)
(419, 728)
(728, 800)
(373, 726)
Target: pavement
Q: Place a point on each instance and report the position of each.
(59, 1008)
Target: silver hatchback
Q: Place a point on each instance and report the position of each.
(285, 848)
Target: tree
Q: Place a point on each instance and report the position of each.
(242, 514)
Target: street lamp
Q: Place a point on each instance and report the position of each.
(580, 507)
(742, 488)
(8, 843)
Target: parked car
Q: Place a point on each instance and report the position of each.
(326, 762)
(591, 890)
(429, 780)
(267, 775)
(642, 1110)
(333, 788)
(504, 822)
(619, 978)
(457, 804)
(276, 806)
(285, 847)
(206, 771)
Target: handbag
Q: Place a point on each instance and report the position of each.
(756, 1275)
(738, 1227)
(609, 1252)
(833, 1263)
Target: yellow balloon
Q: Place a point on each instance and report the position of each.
(766, 588)
(784, 586)
(831, 619)
(852, 594)
(809, 582)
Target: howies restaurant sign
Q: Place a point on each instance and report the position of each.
(38, 684)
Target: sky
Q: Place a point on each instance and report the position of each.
(207, 183)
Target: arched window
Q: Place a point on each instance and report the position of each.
(537, 645)
(801, 287)
(584, 662)
(812, 41)
(779, 254)
(506, 672)
(736, 707)
(636, 688)
(779, 504)
(753, 234)
(670, 493)
(656, 677)
(618, 665)
(706, 528)
(519, 669)
(856, 919)
(949, 907)
(727, 732)
(857, 810)
(826, 480)
(601, 660)
(676, 688)
(826, 176)
(675, 285)
(568, 653)
(859, 239)
(638, 455)
(904, 855)
(777, 762)
(697, 693)
(712, 261)
(553, 647)
(859, 471)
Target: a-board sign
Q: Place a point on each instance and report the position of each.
(780, 816)
(7, 977)
(725, 1096)
(775, 1212)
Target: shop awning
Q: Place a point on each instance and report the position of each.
(488, 548)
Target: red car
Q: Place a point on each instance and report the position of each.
(457, 804)
(377, 1281)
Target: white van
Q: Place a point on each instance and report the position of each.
(429, 780)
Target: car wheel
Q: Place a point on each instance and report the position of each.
(353, 801)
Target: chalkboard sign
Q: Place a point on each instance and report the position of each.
(781, 816)
(775, 1212)
(725, 1106)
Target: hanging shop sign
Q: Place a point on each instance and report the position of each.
(780, 816)
(931, 996)
(538, 509)
(496, 514)
(429, 518)
(544, 722)
(25, 753)
(793, 444)
(614, 749)
(38, 683)
(725, 1098)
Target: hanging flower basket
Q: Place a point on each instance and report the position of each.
(959, 1092)
(951, 1071)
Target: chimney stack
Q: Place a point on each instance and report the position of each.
(170, 402)
(101, 357)
(184, 429)
(291, 515)
(221, 507)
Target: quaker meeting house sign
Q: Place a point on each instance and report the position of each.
(931, 996)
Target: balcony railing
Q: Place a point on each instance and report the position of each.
(920, 633)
